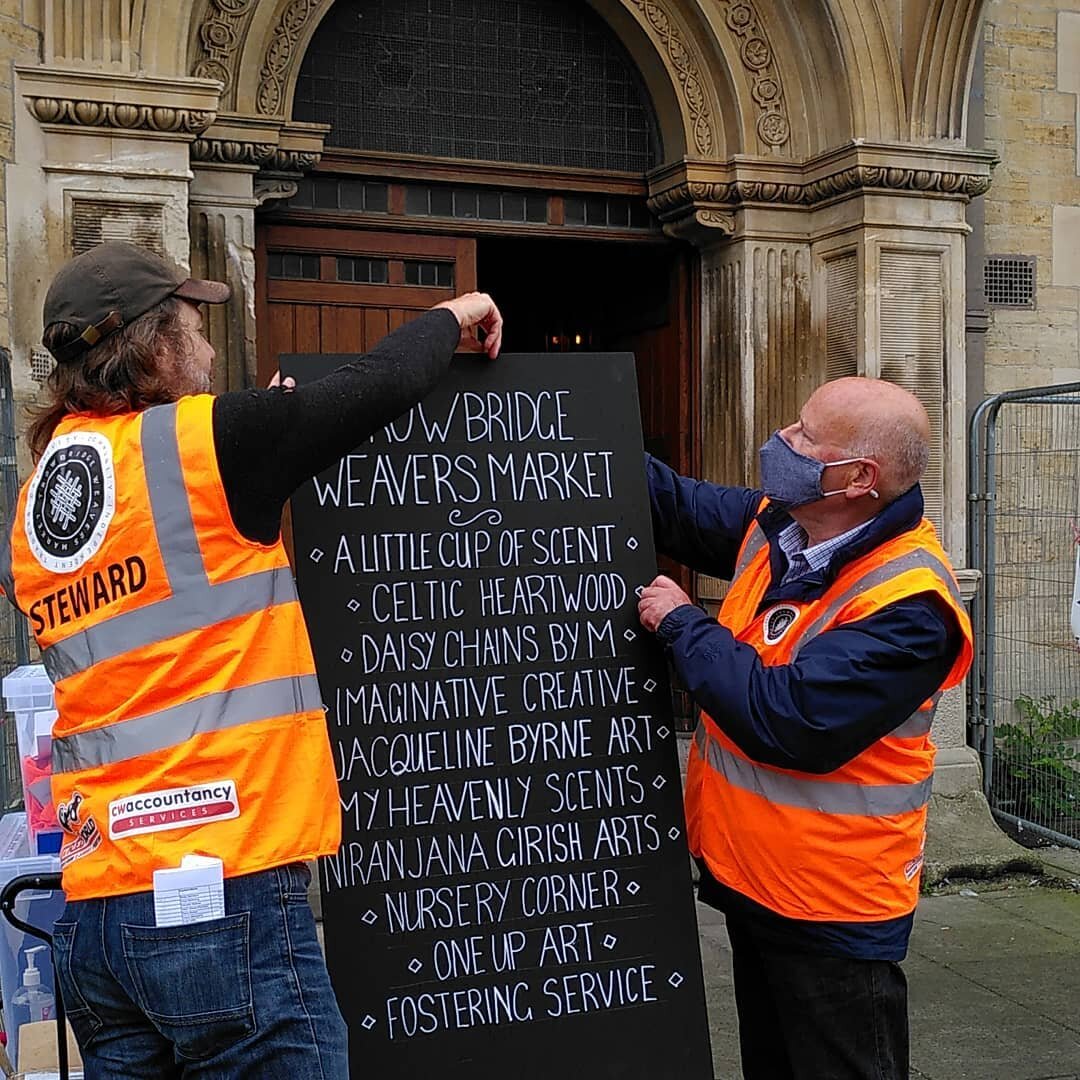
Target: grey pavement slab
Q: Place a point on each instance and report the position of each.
(994, 987)
(1051, 909)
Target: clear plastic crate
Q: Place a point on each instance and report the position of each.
(28, 697)
(27, 689)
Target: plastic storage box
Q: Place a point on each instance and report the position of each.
(39, 909)
(28, 697)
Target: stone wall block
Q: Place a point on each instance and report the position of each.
(1028, 36)
(1033, 61)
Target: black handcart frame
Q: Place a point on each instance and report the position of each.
(8, 896)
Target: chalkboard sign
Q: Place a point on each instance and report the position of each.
(512, 895)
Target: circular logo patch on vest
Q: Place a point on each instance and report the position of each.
(778, 621)
(71, 501)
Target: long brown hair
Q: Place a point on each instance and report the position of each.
(124, 373)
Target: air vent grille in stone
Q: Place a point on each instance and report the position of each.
(1009, 281)
(93, 221)
(41, 363)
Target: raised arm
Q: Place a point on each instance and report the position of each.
(270, 441)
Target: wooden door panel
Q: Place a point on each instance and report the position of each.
(281, 329)
(350, 328)
(326, 315)
(307, 333)
(376, 326)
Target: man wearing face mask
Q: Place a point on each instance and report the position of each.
(812, 765)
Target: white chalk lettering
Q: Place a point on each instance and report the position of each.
(408, 752)
(399, 858)
(427, 701)
(629, 834)
(593, 991)
(563, 894)
(423, 1014)
(571, 545)
(558, 691)
(552, 594)
(600, 789)
(630, 735)
(495, 799)
(537, 845)
(549, 740)
(566, 943)
(416, 601)
(447, 907)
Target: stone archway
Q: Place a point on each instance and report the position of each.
(255, 46)
(792, 130)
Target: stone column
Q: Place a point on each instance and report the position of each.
(759, 363)
(239, 164)
(849, 264)
(222, 207)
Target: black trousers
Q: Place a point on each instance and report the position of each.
(807, 1017)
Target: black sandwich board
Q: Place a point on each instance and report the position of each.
(512, 894)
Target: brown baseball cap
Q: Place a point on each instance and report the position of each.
(113, 283)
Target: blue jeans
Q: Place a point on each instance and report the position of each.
(243, 996)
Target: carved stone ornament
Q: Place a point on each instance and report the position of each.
(291, 161)
(220, 34)
(162, 119)
(279, 58)
(690, 80)
(232, 151)
(712, 203)
(273, 187)
(758, 57)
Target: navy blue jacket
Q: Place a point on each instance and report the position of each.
(847, 688)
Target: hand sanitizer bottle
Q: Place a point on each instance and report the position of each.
(32, 996)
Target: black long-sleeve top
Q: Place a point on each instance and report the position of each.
(270, 441)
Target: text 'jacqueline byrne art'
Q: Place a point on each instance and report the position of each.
(513, 882)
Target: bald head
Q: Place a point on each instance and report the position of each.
(873, 418)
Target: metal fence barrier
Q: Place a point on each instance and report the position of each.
(1024, 689)
(14, 637)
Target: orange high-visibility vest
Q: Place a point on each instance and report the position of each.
(190, 719)
(846, 846)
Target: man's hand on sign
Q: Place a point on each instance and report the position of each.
(287, 384)
(658, 600)
(477, 311)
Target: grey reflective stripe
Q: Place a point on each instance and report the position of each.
(823, 796)
(189, 610)
(918, 723)
(754, 542)
(194, 603)
(701, 737)
(174, 726)
(169, 499)
(912, 560)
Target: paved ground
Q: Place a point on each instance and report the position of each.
(994, 976)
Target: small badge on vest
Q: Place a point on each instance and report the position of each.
(778, 621)
(71, 501)
(84, 836)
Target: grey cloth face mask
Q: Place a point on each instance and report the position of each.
(791, 479)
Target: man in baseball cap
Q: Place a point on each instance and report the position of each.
(110, 286)
(146, 551)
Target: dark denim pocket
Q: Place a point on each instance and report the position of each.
(84, 1021)
(295, 881)
(194, 982)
